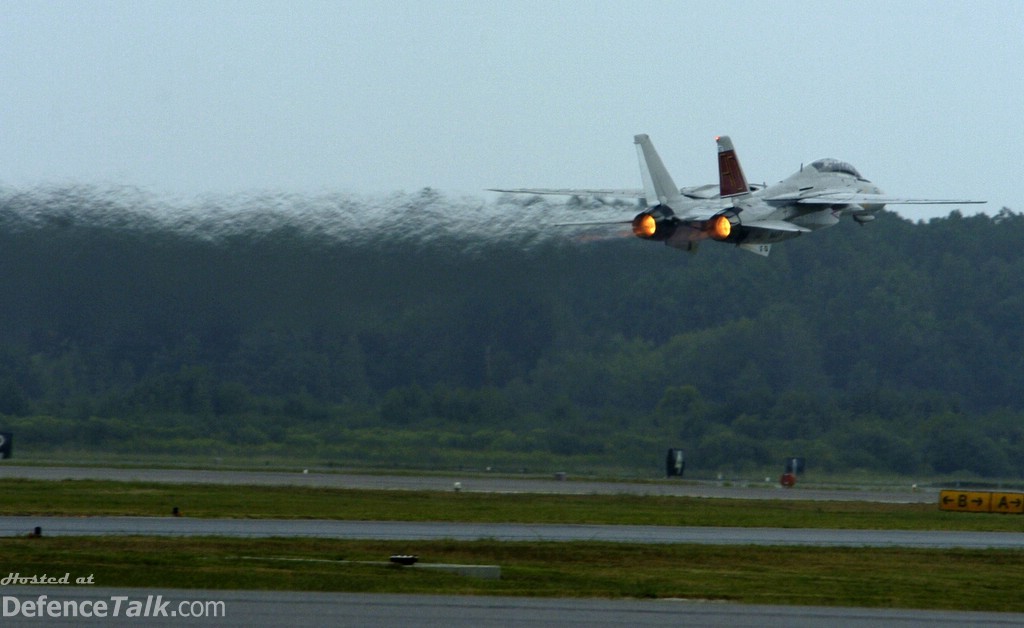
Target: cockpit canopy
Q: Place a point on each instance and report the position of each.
(834, 165)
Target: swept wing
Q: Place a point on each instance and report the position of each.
(696, 192)
(855, 198)
(573, 192)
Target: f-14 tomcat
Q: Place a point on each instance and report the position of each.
(752, 217)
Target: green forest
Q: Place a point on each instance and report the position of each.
(424, 331)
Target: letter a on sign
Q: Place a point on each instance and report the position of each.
(1008, 503)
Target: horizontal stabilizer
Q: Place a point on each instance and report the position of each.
(760, 249)
(777, 225)
(701, 192)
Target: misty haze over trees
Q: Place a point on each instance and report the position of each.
(424, 331)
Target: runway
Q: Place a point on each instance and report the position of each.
(300, 609)
(247, 608)
(471, 483)
(504, 532)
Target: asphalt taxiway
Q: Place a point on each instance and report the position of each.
(504, 532)
(473, 483)
(300, 609)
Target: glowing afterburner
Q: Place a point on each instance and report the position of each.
(645, 226)
(721, 227)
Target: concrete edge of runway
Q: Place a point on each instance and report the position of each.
(474, 483)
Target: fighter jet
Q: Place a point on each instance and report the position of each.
(752, 217)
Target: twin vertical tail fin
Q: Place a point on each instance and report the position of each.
(731, 181)
(659, 188)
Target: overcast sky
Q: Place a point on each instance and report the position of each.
(926, 99)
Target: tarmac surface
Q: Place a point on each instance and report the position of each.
(500, 532)
(282, 608)
(299, 609)
(474, 483)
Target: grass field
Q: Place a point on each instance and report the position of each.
(93, 497)
(880, 577)
(966, 580)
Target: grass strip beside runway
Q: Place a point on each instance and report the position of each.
(93, 498)
(988, 580)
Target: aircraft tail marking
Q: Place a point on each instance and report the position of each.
(761, 249)
(659, 188)
(731, 181)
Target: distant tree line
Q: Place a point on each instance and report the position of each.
(397, 332)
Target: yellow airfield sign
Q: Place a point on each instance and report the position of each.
(1008, 503)
(964, 501)
(982, 501)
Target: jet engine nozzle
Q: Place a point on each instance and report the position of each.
(722, 226)
(645, 226)
(657, 223)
